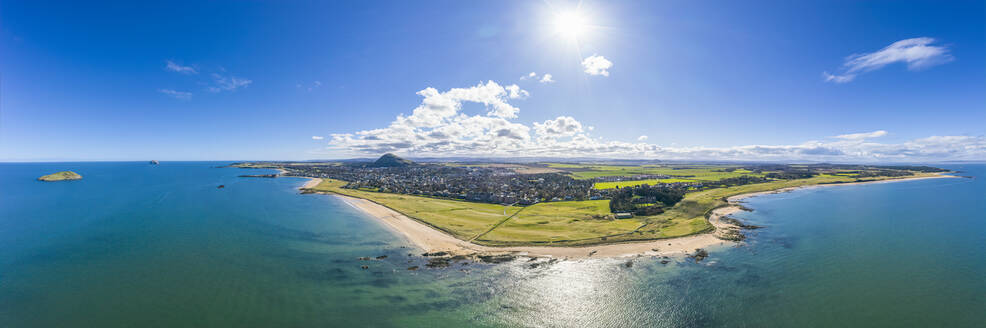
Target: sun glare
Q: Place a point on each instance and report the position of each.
(570, 24)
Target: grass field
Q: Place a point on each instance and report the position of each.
(553, 223)
(556, 222)
(677, 173)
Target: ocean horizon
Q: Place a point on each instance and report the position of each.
(133, 244)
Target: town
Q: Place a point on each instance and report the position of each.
(478, 184)
(507, 184)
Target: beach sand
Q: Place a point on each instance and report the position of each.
(432, 240)
(311, 183)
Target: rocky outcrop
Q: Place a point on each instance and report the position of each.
(60, 176)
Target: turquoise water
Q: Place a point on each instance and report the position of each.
(135, 245)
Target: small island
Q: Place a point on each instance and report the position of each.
(61, 176)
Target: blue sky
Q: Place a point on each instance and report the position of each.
(685, 80)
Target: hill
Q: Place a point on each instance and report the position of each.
(391, 160)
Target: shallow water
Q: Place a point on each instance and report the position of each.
(160, 246)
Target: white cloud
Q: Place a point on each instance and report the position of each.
(317, 137)
(438, 106)
(227, 83)
(596, 65)
(176, 94)
(563, 126)
(917, 53)
(516, 92)
(838, 78)
(439, 128)
(862, 136)
(546, 78)
(175, 67)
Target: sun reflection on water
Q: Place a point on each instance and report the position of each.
(586, 293)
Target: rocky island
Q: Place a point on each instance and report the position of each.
(60, 176)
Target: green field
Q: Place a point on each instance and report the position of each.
(676, 173)
(553, 223)
(559, 222)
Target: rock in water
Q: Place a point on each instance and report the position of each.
(154, 162)
(61, 176)
(700, 254)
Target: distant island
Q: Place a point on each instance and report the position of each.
(568, 209)
(61, 176)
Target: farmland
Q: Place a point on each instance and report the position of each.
(674, 173)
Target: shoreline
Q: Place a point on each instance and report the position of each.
(311, 183)
(739, 197)
(431, 240)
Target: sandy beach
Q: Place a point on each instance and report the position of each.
(311, 183)
(432, 240)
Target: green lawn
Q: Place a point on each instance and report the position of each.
(555, 222)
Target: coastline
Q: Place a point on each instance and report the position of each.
(739, 197)
(432, 240)
(311, 183)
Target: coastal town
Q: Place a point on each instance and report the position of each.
(478, 184)
(644, 194)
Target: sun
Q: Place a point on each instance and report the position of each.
(570, 24)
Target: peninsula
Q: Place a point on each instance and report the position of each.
(60, 176)
(567, 209)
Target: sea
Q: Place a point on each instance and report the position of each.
(140, 245)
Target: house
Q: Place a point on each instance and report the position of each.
(623, 215)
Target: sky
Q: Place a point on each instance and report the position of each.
(837, 81)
